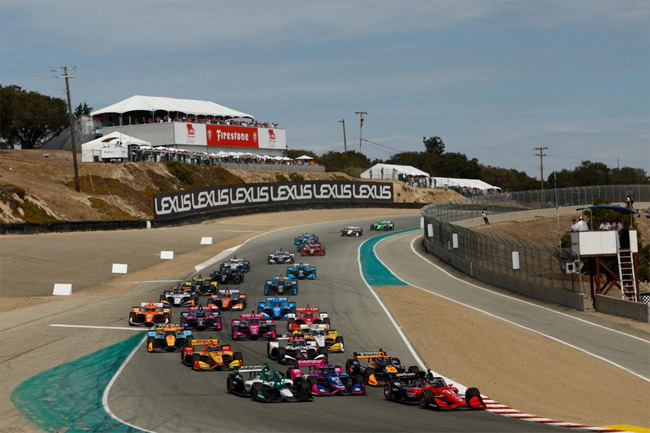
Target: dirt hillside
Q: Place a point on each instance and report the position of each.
(38, 186)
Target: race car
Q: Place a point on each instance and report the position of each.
(431, 392)
(327, 379)
(228, 273)
(168, 338)
(352, 231)
(266, 385)
(292, 347)
(208, 354)
(382, 225)
(150, 313)
(302, 271)
(253, 327)
(179, 296)
(325, 337)
(305, 238)
(312, 249)
(201, 318)
(379, 369)
(242, 265)
(281, 286)
(227, 299)
(306, 316)
(280, 256)
(202, 285)
(276, 308)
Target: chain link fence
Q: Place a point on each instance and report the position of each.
(516, 265)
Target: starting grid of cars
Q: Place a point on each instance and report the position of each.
(303, 347)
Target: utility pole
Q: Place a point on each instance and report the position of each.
(65, 75)
(361, 114)
(345, 141)
(541, 155)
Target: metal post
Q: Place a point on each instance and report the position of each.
(345, 141)
(72, 138)
(361, 114)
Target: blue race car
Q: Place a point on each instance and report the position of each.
(276, 308)
(305, 238)
(281, 286)
(302, 271)
(327, 379)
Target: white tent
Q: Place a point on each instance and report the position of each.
(391, 171)
(442, 182)
(186, 106)
(111, 146)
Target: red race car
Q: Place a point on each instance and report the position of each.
(306, 316)
(312, 249)
(431, 392)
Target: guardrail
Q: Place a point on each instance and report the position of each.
(537, 271)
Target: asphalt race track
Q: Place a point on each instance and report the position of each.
(156, 392)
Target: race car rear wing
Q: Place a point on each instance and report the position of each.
(214, 341)
(251, 316)
(277, 299)
(310, 362)
(155, 304)
(368, 355)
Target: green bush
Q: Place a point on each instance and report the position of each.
(281, 178)
(181, 171)
(296, 177)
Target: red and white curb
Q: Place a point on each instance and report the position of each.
(501, 409)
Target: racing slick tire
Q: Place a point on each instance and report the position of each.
(388, 391)
(260, 310)
(238, 356)
(358, 378)
(369, 372)
(473, 392)
(230, 383)
(312, 380)
(195, 358)
(234, 332)
(290, 322)
(427, 400)
(256, 388)
(272, 328)
(326, 321)
(188, 341)
(414, 369)
(239, 279)
(131, 318)
(150, 343)
(282, 352)
(339, 340)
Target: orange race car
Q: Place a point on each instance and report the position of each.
(168, 338)
(228, 300)
(208, 354)
(150, 313)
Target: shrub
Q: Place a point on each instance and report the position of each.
(180, 171)
(296, 177)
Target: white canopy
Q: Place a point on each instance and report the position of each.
(385, 171)
(186, 106)
(118, 143)
(305, 157)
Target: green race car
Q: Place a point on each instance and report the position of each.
(382, 225)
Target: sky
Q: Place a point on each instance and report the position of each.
(495, 79)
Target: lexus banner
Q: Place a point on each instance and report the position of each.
(182, 203)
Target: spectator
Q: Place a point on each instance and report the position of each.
(582, 225)
(574, 225)
(485, 217)
(617, 225)
(605, 225)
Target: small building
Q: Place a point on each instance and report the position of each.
(393, 172)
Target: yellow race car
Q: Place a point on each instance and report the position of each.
(208, 354)
(325, 337)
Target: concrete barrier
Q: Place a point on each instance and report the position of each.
(623, 308)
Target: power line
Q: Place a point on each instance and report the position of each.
(541, 155)
(361, 114)
(64, 71)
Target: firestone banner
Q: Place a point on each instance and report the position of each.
(182, 203)
(200, 134)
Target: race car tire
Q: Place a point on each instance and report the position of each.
(350, 367)
(239, 279)
(257, 387)
(388, 391)
(188, 341)
(292, 310)
(414, 369)
(230, 383)
(282, 352)
(235, 329)
(271, 328)
(358, 378)
(195, 358)
(427, 400)
(162, 298)
(473, 392)
(167, 318)
(369, 372)
(312, 380)
(260, 310)
(326, 320)
(150, 343)
(238, 356)
(131, 318)
(290, 322)
(339, 340)
(322, 351)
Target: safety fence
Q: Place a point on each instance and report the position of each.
(538, 271)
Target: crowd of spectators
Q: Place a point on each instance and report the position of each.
(161, 154)
(205, 120)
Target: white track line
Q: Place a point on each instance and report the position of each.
(121, 328)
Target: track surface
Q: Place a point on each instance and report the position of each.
(156, 392)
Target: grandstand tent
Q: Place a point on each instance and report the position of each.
(385, 171)
(111, 146)
(155, 104)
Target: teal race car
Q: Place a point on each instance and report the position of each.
(267, 386)
(383, 226)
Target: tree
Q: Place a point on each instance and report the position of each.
(350, 162)
(82, 109)
(434, 145)
(28, 117)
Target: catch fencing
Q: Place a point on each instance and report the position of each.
(538, 271)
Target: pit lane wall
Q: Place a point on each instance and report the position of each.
(536, 271)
